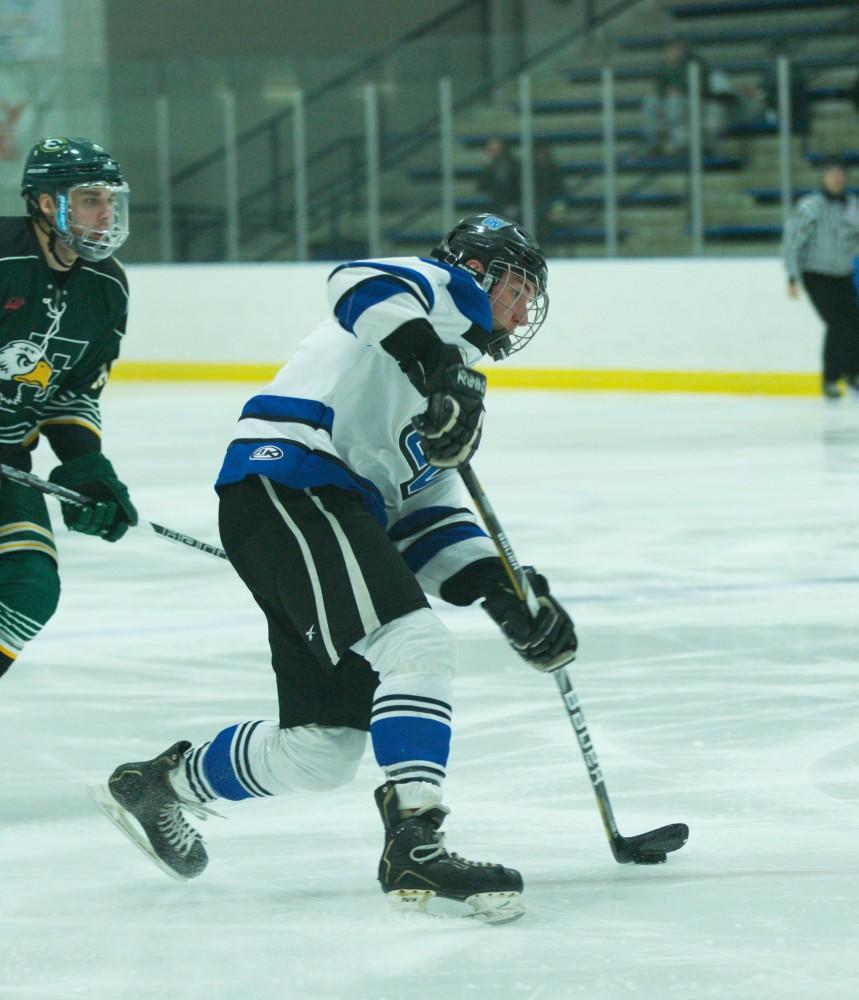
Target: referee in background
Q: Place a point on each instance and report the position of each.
(821, 240)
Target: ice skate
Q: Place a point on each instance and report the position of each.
(415, 867)
(139, 800)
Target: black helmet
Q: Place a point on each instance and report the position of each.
(503, 248)
(58, 166)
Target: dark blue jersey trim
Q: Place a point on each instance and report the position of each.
(353, 303)
(419, 553)
(422, 519)
(399, 271)
(290, 409)
(298, 467)
(468, 297)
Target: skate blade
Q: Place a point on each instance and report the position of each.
(485, 907)
(127, 824)
(496, 907)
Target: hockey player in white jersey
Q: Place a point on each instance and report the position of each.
(340, 508)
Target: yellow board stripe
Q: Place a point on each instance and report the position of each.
(36, 529)
(767, 383)
(561, 379)
(178, 371)
(29, 546)
(8, 652)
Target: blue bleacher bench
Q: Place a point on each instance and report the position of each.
(740, 232)
(558, 234)
(643, 165)
(730, 8)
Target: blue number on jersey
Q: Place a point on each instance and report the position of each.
(424, 473)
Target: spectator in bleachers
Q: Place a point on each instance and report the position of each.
(549, 190)
(665, 112)
(759, 102)
(500, 179)
(821, 241)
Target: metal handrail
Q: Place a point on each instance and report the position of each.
(347, 76)
(426, 131)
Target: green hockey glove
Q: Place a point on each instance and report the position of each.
(111, 512)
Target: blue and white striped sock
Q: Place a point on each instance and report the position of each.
(222, 768)
(410, 728)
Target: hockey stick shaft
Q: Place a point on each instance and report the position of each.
(525, 592)
(75, 499)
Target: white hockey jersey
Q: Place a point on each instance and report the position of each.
(340, 412)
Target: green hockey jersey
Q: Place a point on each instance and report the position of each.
(59, 335)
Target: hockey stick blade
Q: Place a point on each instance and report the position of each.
(650, 848)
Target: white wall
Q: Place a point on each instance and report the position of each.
(679, 315)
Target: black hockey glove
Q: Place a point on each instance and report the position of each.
(450, 428)
(545, 642)
(111, 512)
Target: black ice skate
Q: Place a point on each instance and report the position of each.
(415, 866)
(140, 801)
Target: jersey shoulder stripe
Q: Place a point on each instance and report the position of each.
(355, 301)
(359, 269)
(468, 297)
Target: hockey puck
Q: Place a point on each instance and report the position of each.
(649, 859)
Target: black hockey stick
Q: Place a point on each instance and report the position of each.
(647, 848)
(79, 500)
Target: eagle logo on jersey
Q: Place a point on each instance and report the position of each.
(22, 362)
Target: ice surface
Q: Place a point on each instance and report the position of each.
(708, 549)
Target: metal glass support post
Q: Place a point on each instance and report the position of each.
(231, 175)
(371, 130)
(609, 162)
(784, 129)
(299, 162)
(526, 153)
(445, 103)
(696, 160)
(165, 195)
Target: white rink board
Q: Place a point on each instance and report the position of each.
(707, 549)
(729, 315)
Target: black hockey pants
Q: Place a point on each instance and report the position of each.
(837, 303)
(319, 566)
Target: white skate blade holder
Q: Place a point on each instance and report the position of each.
(127, 824)
(485, 907)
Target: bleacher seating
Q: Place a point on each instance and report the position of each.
(741, 232)
(561, 106)
(849, 156)
(636, 165)
(748, 36)
(649, 72)
(570, 235)
(742, 209)
(633, 199)
(772, 196)
(734, 7)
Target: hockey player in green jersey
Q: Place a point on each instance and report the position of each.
(63, 308)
